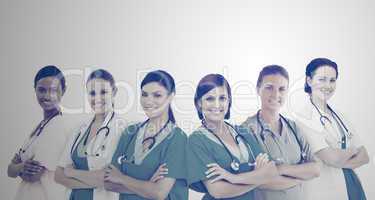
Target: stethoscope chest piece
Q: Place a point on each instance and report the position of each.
(121, 159)
(235, 165)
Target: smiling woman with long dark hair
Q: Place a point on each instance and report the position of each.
(149, 162)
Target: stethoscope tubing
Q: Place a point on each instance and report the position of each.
(282, 118)
(234, 165)
(338, 119)
(123, 157)
(106, 127)
(38, 131)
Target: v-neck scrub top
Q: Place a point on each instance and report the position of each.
(169, 148)
(282, 148)
(204, 148)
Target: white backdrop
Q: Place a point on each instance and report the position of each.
(188, 39)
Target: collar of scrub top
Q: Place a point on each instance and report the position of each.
(37, 132)
(123, 158)
(281, 119)
(235, 166)
(323, 119)
(104, 130)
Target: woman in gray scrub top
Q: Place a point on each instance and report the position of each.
(155, 143)
(281, 139)
(224, 162)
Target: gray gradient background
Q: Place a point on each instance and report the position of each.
(189, 39)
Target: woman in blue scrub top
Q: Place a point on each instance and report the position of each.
(36, 160)
(91, 147)
(224, 162)
(281, 138)
(146, 146)
(331, 137)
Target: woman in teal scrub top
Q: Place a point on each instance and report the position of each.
(224, 162)
(146, 146)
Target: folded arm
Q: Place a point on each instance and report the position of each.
(280, 183)
(359, 159)
(70, 182)
(305, 171)
(158, 190)
(335, 157)
(222, 189)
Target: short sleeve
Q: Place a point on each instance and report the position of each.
(316, 140)
(175, 157)
(51, 157)
(72, 135)
(65, 158)
(198, 158)
(305, 144)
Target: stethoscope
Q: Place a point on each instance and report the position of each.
(262, 129)
(323, 120)
(234, 165)
(153, 138)
(27, 144)
(123, 158)
(103, 131)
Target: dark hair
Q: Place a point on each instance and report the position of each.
(206, 84)
(48, 71)
(165, 80)
(272, 70)
(314, 65)
(102, 74)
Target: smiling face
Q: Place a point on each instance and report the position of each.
(100, 95)
(214, 104)
(323, 83)
(272, 92)
(48, 92)
(155, 99)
